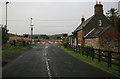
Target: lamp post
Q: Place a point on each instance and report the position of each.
(31, 30)
(6, 14)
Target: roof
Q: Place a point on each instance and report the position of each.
(70, 35)
(80, 27)
(96, 32)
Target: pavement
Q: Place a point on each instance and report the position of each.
(48, 60)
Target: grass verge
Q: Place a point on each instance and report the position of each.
(101, 65)
(14, 49)
(10, 53)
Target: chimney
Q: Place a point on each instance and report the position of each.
(98, 8)
(116, 22)
(82, 19)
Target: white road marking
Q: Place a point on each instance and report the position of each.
(48, 59)
(46, 47)
(33, 46)
(47, 65)
(20, 56)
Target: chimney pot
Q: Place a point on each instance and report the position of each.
(99, 2)
(82, 19)
(96, 2)
(98, 8)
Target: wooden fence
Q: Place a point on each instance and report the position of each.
(107, 56)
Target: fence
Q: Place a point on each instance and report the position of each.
(18, 43)
(109, 57)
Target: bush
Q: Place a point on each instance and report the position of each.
(65, 45)
(4, 35)
(88, 50)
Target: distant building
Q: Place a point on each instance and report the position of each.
(18, 38)
(97, 31)
(15, 38)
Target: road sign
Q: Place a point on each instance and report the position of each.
(64, 35)
(25, 35)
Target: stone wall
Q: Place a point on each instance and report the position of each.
(110, 44)
(106, 44)
(92, 42)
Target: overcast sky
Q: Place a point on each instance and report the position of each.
(48, 17)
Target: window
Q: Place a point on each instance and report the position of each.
(100, 22)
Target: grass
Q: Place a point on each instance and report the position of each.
(60, 44)
(102, 65)
(8, 51)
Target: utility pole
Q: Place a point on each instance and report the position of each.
(16, 37)
(31, 30)
(6, 14)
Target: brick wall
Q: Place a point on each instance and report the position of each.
(111, 33)
(69, 40)
(80, 37)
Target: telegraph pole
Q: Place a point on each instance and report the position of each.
(31, 30)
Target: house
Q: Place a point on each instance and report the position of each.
(18, 38)
(97, 31)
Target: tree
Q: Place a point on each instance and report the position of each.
(58, 37)
(4, 35)
(65, 39)
(111, 14)
(44, 36)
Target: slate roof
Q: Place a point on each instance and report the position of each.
(70, 35)
(96, 32)
(80, 27)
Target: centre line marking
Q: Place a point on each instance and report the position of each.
(46, 47)
(47, 65)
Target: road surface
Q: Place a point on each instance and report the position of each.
(48, 60)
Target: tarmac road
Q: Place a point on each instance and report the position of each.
(48, 60)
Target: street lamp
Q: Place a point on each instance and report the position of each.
(31, 30)
(6, 14)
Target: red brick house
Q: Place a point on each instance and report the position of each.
(97, 31)
(18, 38)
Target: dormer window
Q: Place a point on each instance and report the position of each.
(99, 22)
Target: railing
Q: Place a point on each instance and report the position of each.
(107, 56)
